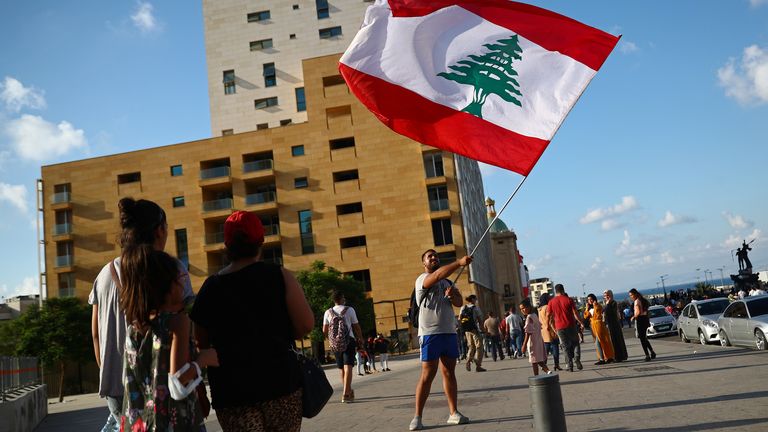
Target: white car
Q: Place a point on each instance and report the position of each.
(662, 323)
(698, 320)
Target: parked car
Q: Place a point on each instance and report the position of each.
(662, 323)
(699, 320)
(745, 323)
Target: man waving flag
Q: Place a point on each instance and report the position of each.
(488, 79)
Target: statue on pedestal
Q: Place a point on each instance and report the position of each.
(743, 254)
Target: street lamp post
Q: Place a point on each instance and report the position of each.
(664, 286)
(722, 278)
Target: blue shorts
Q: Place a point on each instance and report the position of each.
(439, 345)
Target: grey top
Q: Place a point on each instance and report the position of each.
(112, 327)
(436, 313)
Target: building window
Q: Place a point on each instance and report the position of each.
(226, 132)
(62, 193)
(63, 224)
(438, 197)
(259, 16)
(292, 36)
(178, 201)
(176, 170)
(345, 176)
(295, 7)
(272, 255)
(300, 182)
(507, 290)
(350, 208)
(342, 143)
(66, 285)
(362, 276)
(271, 224)
(229, 82)
(270, 76)
(182, 250)
(446, 257)
(285, 122)
(441, 232)
(305, 227)
(301, 100)
(333, 80)
(297, 150)
(330, 32)
(350, 242)
(133, 177)
(323, 11)
(433, 165)
(262, 126)
(261, 44)
(65, 254)
(265, 103)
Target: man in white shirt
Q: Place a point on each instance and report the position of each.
(515, 326)
(345, 360)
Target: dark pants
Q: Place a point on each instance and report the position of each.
(642, 326)
(553, 348)
(496, 347)
(569, 337)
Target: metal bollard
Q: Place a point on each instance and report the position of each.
(547, 403)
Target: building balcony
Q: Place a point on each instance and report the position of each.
(61, 198)
(438, 205)
(64, 261)
(214, 241)
(261, 201)
(62, 229)
(258, 169)
(216, 205)
(437, 180)
(215, 176)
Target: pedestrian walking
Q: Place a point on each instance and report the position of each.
(252, 312)
(491, 326)
(470, 319)
(361, 360)
(343, 331)
(603, 344)
(533, 343)
(381, 345)
(161, 368)
(437, 334)
(612, 318)
(504, 333)
(141, 222)
(371, 350)
(642, 322)
(567, 324)
(548, 332)
(515, 326)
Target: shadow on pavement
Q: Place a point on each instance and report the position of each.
(701, 426)
(91, 419)
(670, 404)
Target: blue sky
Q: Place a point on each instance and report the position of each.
(659, 169)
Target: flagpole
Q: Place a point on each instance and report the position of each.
(488, 229)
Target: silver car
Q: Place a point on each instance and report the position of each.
(745, 322)
(699, 320)
(662, 323)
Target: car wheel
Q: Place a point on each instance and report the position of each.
(759, 340)
(683, 338)
(702, 338)
(724, 339)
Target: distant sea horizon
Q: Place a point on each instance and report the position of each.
(670, 288)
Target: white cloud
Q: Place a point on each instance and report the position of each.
(757, 3)
(747, 81)
(596, 264)
(737, 221)
(629, 249)
(34, 138)
(666, 257)
(627, 204)
(16, 195)
(671, 219)
(143, 18)
(17, 97)
(611, 224)
(734, 241)
(628, 47)
(539, 263)
(27, 286)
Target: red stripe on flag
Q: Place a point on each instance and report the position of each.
(420, 119)
(548, 29)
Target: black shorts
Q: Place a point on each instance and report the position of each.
(346, 357)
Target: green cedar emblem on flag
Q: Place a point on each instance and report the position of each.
(490, 73)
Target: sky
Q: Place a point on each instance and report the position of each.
(660, 169)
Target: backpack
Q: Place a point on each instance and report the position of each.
(413, 309)
(467, 319)
(338, 335)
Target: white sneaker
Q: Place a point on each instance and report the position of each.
(416, 424)
(457, 418)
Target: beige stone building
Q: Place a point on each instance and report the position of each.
(341, 188)
(507, 262)
(254, 51)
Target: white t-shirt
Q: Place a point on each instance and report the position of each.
(350, 317)
(514, 322)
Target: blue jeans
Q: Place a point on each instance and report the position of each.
(554, 349)
(516, 340)
(115, 405)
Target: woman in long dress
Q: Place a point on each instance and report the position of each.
(533, 343)
(612, 318)
(603, 343)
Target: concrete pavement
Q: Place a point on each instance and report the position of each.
(689, 387)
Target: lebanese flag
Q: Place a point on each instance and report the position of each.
(488, 79)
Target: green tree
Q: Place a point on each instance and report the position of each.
(58, 332)
(489, 73)
(319, 283)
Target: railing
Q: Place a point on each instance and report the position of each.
(271, 230)
(222, 171)
(259, 165)
(16, 373)
(213, 238)
(260, 198)
(61, 229)
(438, 204)
(64, 261)
(219, 204)
(61, 197)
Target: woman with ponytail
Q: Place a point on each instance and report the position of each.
(642, 322)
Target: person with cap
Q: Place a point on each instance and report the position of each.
(470, 319)
(251, 312)
(437, 297)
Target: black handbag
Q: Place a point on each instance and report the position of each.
(316, 388)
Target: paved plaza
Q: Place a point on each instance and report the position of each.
(689, 387)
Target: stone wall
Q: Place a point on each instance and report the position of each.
(24, 410)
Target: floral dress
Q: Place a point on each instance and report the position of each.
(147, 402)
